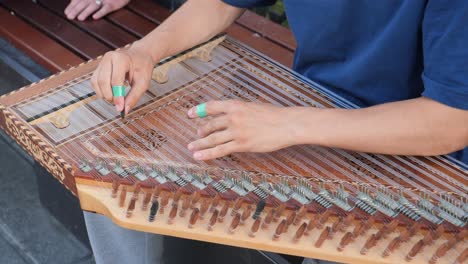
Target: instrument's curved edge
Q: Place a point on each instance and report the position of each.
(91, 198)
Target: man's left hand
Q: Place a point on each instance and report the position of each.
(81, 9)
(236, 126)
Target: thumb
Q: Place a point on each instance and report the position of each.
(139, 87)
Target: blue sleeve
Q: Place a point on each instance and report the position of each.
(445, 51)
(249, 3)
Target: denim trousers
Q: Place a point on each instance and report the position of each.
(116, 245)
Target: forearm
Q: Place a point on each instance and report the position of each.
(193, 23)
(412, 127)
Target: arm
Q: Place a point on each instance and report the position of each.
(193, 23)
(412, 127)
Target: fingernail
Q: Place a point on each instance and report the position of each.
(190, 146)
(190, 112)
(117, 107)
(197, 156)
(127, 109)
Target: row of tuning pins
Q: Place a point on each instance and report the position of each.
(407, 234)
(280, 221)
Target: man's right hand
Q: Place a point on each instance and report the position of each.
(133, 66)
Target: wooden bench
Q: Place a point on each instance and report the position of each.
(42, 31)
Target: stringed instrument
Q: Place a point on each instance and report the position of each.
(304, 200)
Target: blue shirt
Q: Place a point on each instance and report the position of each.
(372, 52)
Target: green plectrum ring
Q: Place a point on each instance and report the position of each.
(201, 110)
(118, 90)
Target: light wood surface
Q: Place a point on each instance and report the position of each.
(96, 199)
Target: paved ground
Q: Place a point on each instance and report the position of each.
(28, 233)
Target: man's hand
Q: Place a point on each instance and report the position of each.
(236, 126)
(133, 65)
(81, 9)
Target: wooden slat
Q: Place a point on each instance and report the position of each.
(268, 29)
(101, 29)
(137, 25)
(35, 44)
(58, 28)
(149, 10)
(270, 49)
(157, 14)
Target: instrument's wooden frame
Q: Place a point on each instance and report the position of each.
(91, 195)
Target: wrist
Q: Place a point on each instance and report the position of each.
(145, 47)
(307, 125)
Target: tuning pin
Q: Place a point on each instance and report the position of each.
(177, 196)
(268, 218)
(172, 214)
(392, 246)
(131, 207)
(300, 232)
(370, 243)
(195, 198)
(185, 206)
(246, 214)
(156, 192)
(153, 210)
(323, 236)
(346, 222)
(462, 257)
(164, 203)
(312, 224)
(324, 218)
(259, 209)
(146, 201)
(415, 250)
(290, 220)
(136, 191)
(237, 206)
(442, 249)
(437, 233)
(279, 229)
(235, 223)
(223, 211)
(205, 204)
(123, 196)
(255, 227)
(213, 219)
(358, 229)
(337, 225)
(215, 202)
(345, 240)
(115, 188)
(300, 215)
(194, 217)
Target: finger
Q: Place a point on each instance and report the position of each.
(91, 8)
(94, 81)
(211, 141)
(120, 67)
(75, 10)
(139, 86)
(213, 125)
(70, 6)
(212, 108)
(104, 77)
(216, 152)
(105, 9)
